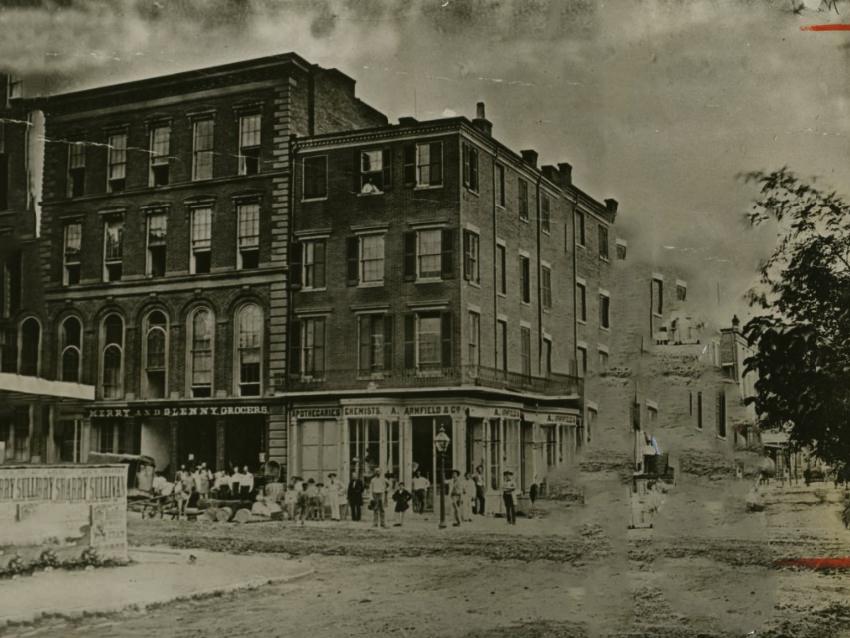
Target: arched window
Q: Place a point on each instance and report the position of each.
(30, 345)
(200, 342)
(112, 364)
(155, 355)
(249, 349)
(70, 350)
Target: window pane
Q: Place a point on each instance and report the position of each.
(73, 239)
(430, 253)
(112, 372)
(157, 227)
(249, 130)
(202, 335)
(117, 156)
(156, 349)
(201, 228)
(372, 258)
(160, 144)
(249, 225)
(114, 231)
(428, 341)
(113, 330)
(77, 155)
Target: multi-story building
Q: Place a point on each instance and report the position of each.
(164, 251)
(29, 429)
(433, 276)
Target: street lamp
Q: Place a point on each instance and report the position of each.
(441, 443)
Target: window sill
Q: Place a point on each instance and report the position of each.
(605, 329)
(525, 220)
(427, 187)
(502, 294)
(582, 246)
(428, 280)
(375, 376)
(547, 310)
(581, 322)
(378, 194)
(607, 260)
(548, 233)
(308, 200)
(472, 192)
(370, 284)
(474, 284)
(305, 289)
(525, 303)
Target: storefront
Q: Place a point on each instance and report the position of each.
(397, 436)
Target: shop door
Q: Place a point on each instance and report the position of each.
(67, 434)
(319, 450)
(196, 441)
(364, 446)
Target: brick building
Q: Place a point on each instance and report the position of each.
(29, 431)
(164, 251)
(433, 274)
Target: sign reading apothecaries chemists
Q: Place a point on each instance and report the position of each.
(65, 508)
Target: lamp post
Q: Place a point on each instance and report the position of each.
(441, 443)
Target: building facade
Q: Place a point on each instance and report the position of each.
(164, 251)
(433, 274)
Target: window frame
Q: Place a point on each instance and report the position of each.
(471, 173)
(191, 350)
(525, 278)
(240, 148)
(362, 261)
(581, 302)
(604, 310)
(501, 268)
(116, 184)
(502, 345)
(193, 241)
(313, 197)
(582, 367)
(151, 214)
(145, 367)
(305, 264)
(546, 287)
(545, 213)
(500, 186)
(604, 240)
(525, 349)
(66, 279)
(474, 338)
(303, 324)
(240, 349)
(71, 176)
(197, 152)
(522, 200)
(437, 255)
(377, 364)
(244, 247)
(419, 166)
(580, 222)
(107, 261)
(64, 347)
(471, 256)
(21, 344)
(657, 309)
(157, 160)
(104, 346)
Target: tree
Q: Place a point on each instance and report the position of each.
(801, 334)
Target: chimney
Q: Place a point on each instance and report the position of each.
(566, 171)
(407, 121)
(611, 205)
(481, 122)
(551, 173)
(529, 156)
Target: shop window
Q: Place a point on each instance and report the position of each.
(249, 322)
(545, 214)
(249, 235)
(249, 144)
(546, 287)
(156, 236)
(471, 259)
(423, 164)
(470, 167)
(112, 357)
(160, 150)
(525, 350)
(604, 254)
(429, 254)
(318, 452)
(116, 172)
(201, 243)
(375, 339)
(495, 453)
(428, 341)
(29, 340)
(73, 240)
(315, 177)
(374, 171)
(76, 169)
(581, 238)
(155, 355)
(525, 278)
(501, 269)
(550, 445)
(364, 446)
(522, 202)
(502, 345)
(113, 249)
(365, 260)
(202, 148)
(70, 350)
(581, 301)
(474, 334)
(201, 339)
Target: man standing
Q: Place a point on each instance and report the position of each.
(456, 494)
(378, 498)
(420, 488)
(508, 489)
(355, 496)
(478, 477)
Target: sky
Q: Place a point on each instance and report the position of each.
(660, 104)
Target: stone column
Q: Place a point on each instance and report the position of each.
(174, 424)
(220, 442)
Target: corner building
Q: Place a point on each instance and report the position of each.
(432, 273)
(164, 251)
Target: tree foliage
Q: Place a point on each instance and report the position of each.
(801, 332)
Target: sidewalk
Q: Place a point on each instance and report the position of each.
(157, 575)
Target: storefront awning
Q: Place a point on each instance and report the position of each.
(16, 386)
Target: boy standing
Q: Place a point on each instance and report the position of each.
(508, 489)
(378, 495)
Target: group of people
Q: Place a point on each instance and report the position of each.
(196, 482)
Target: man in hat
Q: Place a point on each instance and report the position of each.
(508, 489)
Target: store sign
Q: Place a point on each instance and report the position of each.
(316, 413)
(194, 410)
(66, 509)
(561, 419)
(428, 410)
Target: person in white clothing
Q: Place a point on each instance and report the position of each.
(246, 484)
(335, 495)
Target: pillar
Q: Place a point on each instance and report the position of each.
(50, 438)
(459, 443)
(175, 458)
(220, 442)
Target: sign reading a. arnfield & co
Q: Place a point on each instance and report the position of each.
(64, 508)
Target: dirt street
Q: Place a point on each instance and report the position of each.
(705, 569)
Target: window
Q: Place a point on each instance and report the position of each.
(657, 296)
(690, 403)
(546, 284)
(312, 339)
(651, 417)
(202, 148)
(525, 278)
(249, 144)
(525, 350)
(160, 150)
(501, 269)
(11, 284)
(15, 88)
(622, 249)
(429, 254)
(71, 254)
(523, 199)
(581, 301)
(4, 181)
(70, 350)
(495, 454)
(201, 242)
(592, 418)
(474, 338)
(315, 177)
(500, 185)
(313, 269)
(157, 232)
(423, 164)
(604, 311)
(375, 339)
(470, 167)
(112, 357)
(248, 255)
(116, 162)
(29, 345)
(76, 169)
(249, 326)
(603, 359)
(545, 214)
(547, 357)
(155, 355)
(602, 229)
(681, 292)
(200, 341)
(581, 352)
(428, 343)
(699, 410)
(721, 414)
(113, 240)
(471, 260)
(375, 171)
(365, 257)
(502, 345)
(581, 239)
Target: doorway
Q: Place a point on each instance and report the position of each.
(196, 442)
(244, 441)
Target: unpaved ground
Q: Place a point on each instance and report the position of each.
(704, 570)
